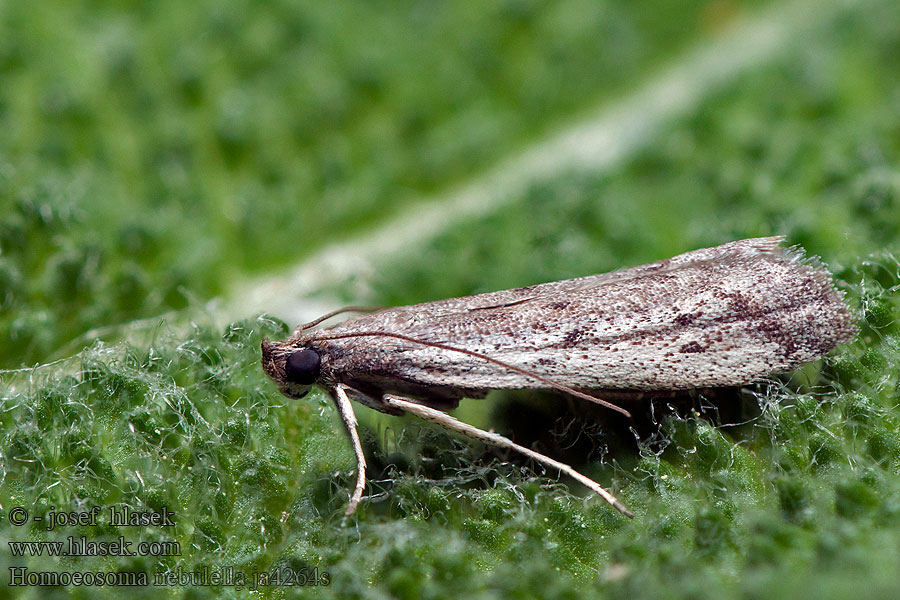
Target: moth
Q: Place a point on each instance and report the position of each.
(723, 316)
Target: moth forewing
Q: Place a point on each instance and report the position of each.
(721, 316)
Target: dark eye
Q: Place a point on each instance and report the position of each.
(302, 366)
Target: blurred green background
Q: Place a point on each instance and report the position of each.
(155, 156)
(153, 152)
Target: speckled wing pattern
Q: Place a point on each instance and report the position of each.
(719, 316)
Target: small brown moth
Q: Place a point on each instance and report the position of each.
(722, 316)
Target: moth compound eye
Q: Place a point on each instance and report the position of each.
(302, 366)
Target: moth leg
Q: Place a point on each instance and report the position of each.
(345, 408)
(441, 418)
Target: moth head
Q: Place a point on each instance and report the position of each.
(293, 369)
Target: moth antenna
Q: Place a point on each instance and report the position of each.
(558, 386)
(337, 312)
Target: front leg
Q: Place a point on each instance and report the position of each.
(341, 393)
(445, 420)
(345, 408)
